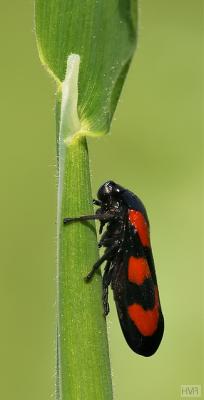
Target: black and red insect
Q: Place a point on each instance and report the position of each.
(129, 266)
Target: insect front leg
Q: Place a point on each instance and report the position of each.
(106, 256)
(103, 217)
(97, 202)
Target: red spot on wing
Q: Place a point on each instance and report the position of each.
(138, 270)
(146, 321)
(140, 224)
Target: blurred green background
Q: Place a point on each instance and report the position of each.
(154, 150)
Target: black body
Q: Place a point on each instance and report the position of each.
(121, 241)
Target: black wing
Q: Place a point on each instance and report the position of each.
(133, 202)
(136, 295)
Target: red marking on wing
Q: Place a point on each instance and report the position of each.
(146, 321)
(138, 270)
(140, 224)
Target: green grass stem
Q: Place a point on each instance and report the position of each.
(84, 367)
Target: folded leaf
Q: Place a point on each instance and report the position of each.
(103, 34)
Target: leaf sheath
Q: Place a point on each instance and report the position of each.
(83, 349)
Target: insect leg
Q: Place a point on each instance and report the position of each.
(97, 202)
(106, 256)
(101, 227)
(108, 241)
(101, 217)
(107, 276)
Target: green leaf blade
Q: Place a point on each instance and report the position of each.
(103, 34)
